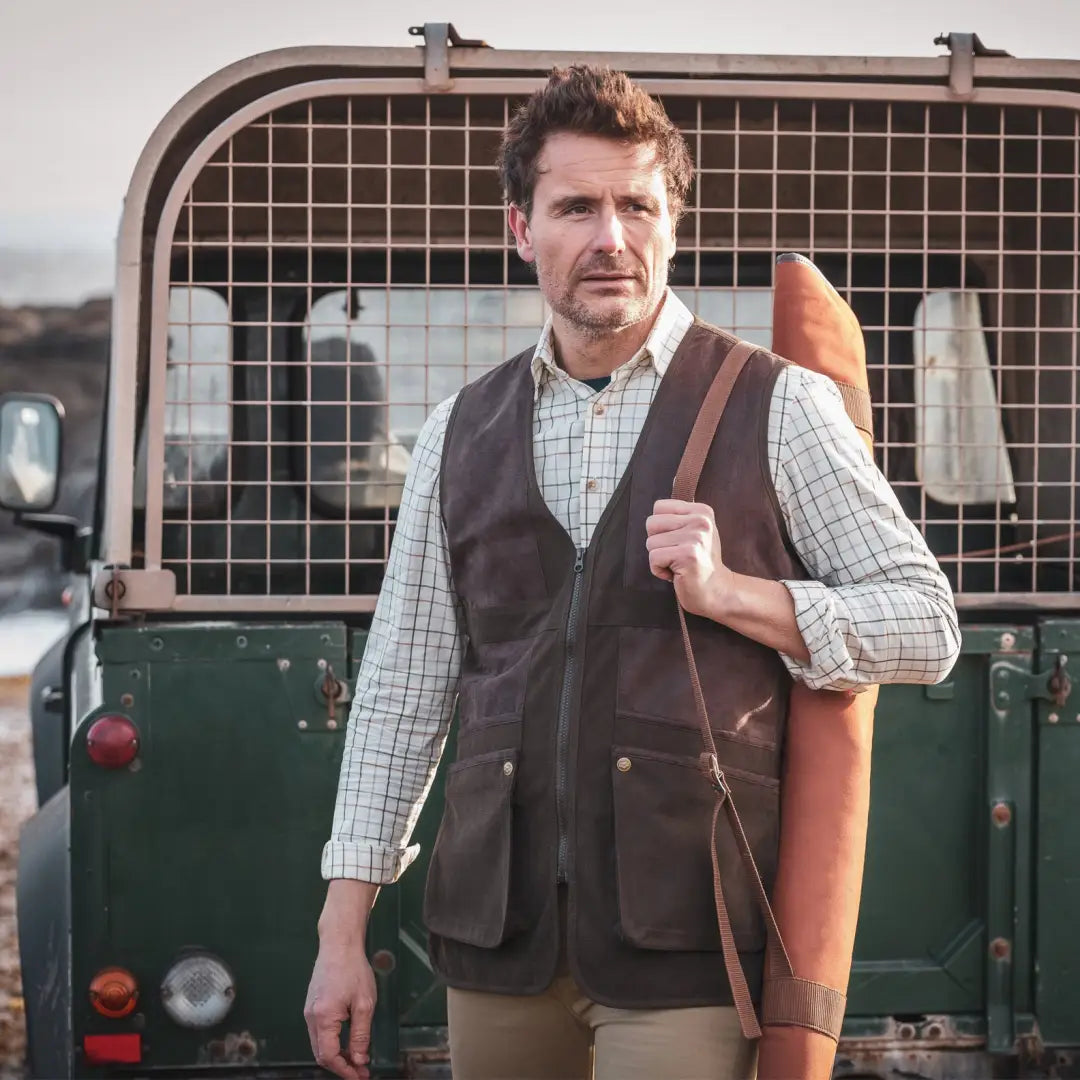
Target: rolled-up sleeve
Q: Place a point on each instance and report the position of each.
(877, 607)
(405, 689)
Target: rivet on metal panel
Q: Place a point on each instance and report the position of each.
(384, 961)
(1000, 948)
(934, 1031)
(321, 665)
(906, 1031)
(1007, 642)
(1002, 698)
(331, 725)
(1053, 718)
(283, 664)
(134, 673)
(1002, 814)
(157, 644)
(127, 700)
(241, 642)
(302, 725)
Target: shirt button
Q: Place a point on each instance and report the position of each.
(599, 410)
(591, 485)
(623, 764)
(508, 768)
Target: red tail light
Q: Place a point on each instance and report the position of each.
(112, 741)
(114, 992)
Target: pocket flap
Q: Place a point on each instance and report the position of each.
(663, 814)
(468, 883)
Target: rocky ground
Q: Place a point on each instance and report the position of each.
(16, 804)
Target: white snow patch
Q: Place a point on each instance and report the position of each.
(26, 637)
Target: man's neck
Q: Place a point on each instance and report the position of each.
(583, 356)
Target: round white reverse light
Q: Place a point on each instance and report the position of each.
(198, 991)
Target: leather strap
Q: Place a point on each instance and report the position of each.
(857, 406)
(787, 999)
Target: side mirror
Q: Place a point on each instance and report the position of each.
(31, 441)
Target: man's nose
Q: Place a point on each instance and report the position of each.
(609, 233)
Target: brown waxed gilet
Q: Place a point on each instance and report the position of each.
(576, 714)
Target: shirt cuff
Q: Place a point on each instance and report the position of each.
(830, 666)
(366, 862)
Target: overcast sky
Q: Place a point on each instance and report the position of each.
(84, 82)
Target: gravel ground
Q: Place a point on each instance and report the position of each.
(16, 805)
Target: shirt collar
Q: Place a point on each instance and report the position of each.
(664, 338)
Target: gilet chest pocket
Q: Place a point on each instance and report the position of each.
(663, 814)
(468, 881)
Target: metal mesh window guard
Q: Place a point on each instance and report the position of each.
(359, 250)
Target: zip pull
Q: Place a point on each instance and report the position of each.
(580, 564)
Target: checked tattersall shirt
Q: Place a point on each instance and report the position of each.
(878, 610)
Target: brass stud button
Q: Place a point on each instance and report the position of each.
(623, 764)
(508, 768)
(591, 485)
(599, 410)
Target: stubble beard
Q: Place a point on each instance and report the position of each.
(591, 323)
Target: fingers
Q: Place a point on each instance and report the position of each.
(660, 564)
(327, 1046)
(360, 1033)
(678, 506)
(696, 517)
(324, 1019)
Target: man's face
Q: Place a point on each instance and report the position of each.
(600, 232)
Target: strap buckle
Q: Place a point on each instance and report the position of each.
(716, 778)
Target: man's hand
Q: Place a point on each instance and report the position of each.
(684, 547)
(342, 985)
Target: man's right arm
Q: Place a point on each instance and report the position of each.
(406, 686)
(401, 711)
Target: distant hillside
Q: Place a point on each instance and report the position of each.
(61, 351)
(31, 276)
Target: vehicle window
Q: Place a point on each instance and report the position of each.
(197, 406)
(377, 371)
(961, 456)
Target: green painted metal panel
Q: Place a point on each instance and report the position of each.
(214, 840)
(931, 865)
(1057, 970)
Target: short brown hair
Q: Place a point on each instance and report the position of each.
(589, 100)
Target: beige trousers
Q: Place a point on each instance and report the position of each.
(562, 1035)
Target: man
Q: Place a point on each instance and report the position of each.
(569, 898)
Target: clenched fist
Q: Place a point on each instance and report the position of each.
(684, 547)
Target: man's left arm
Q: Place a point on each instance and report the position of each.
(877, 607)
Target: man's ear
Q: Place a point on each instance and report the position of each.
(519, 226)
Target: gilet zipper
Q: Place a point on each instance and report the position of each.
(562, 732)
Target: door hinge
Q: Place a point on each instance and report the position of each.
(1053, 685)
(122, 591)
(438, 39)
(1010, 681)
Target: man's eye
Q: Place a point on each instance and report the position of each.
(576, 208)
